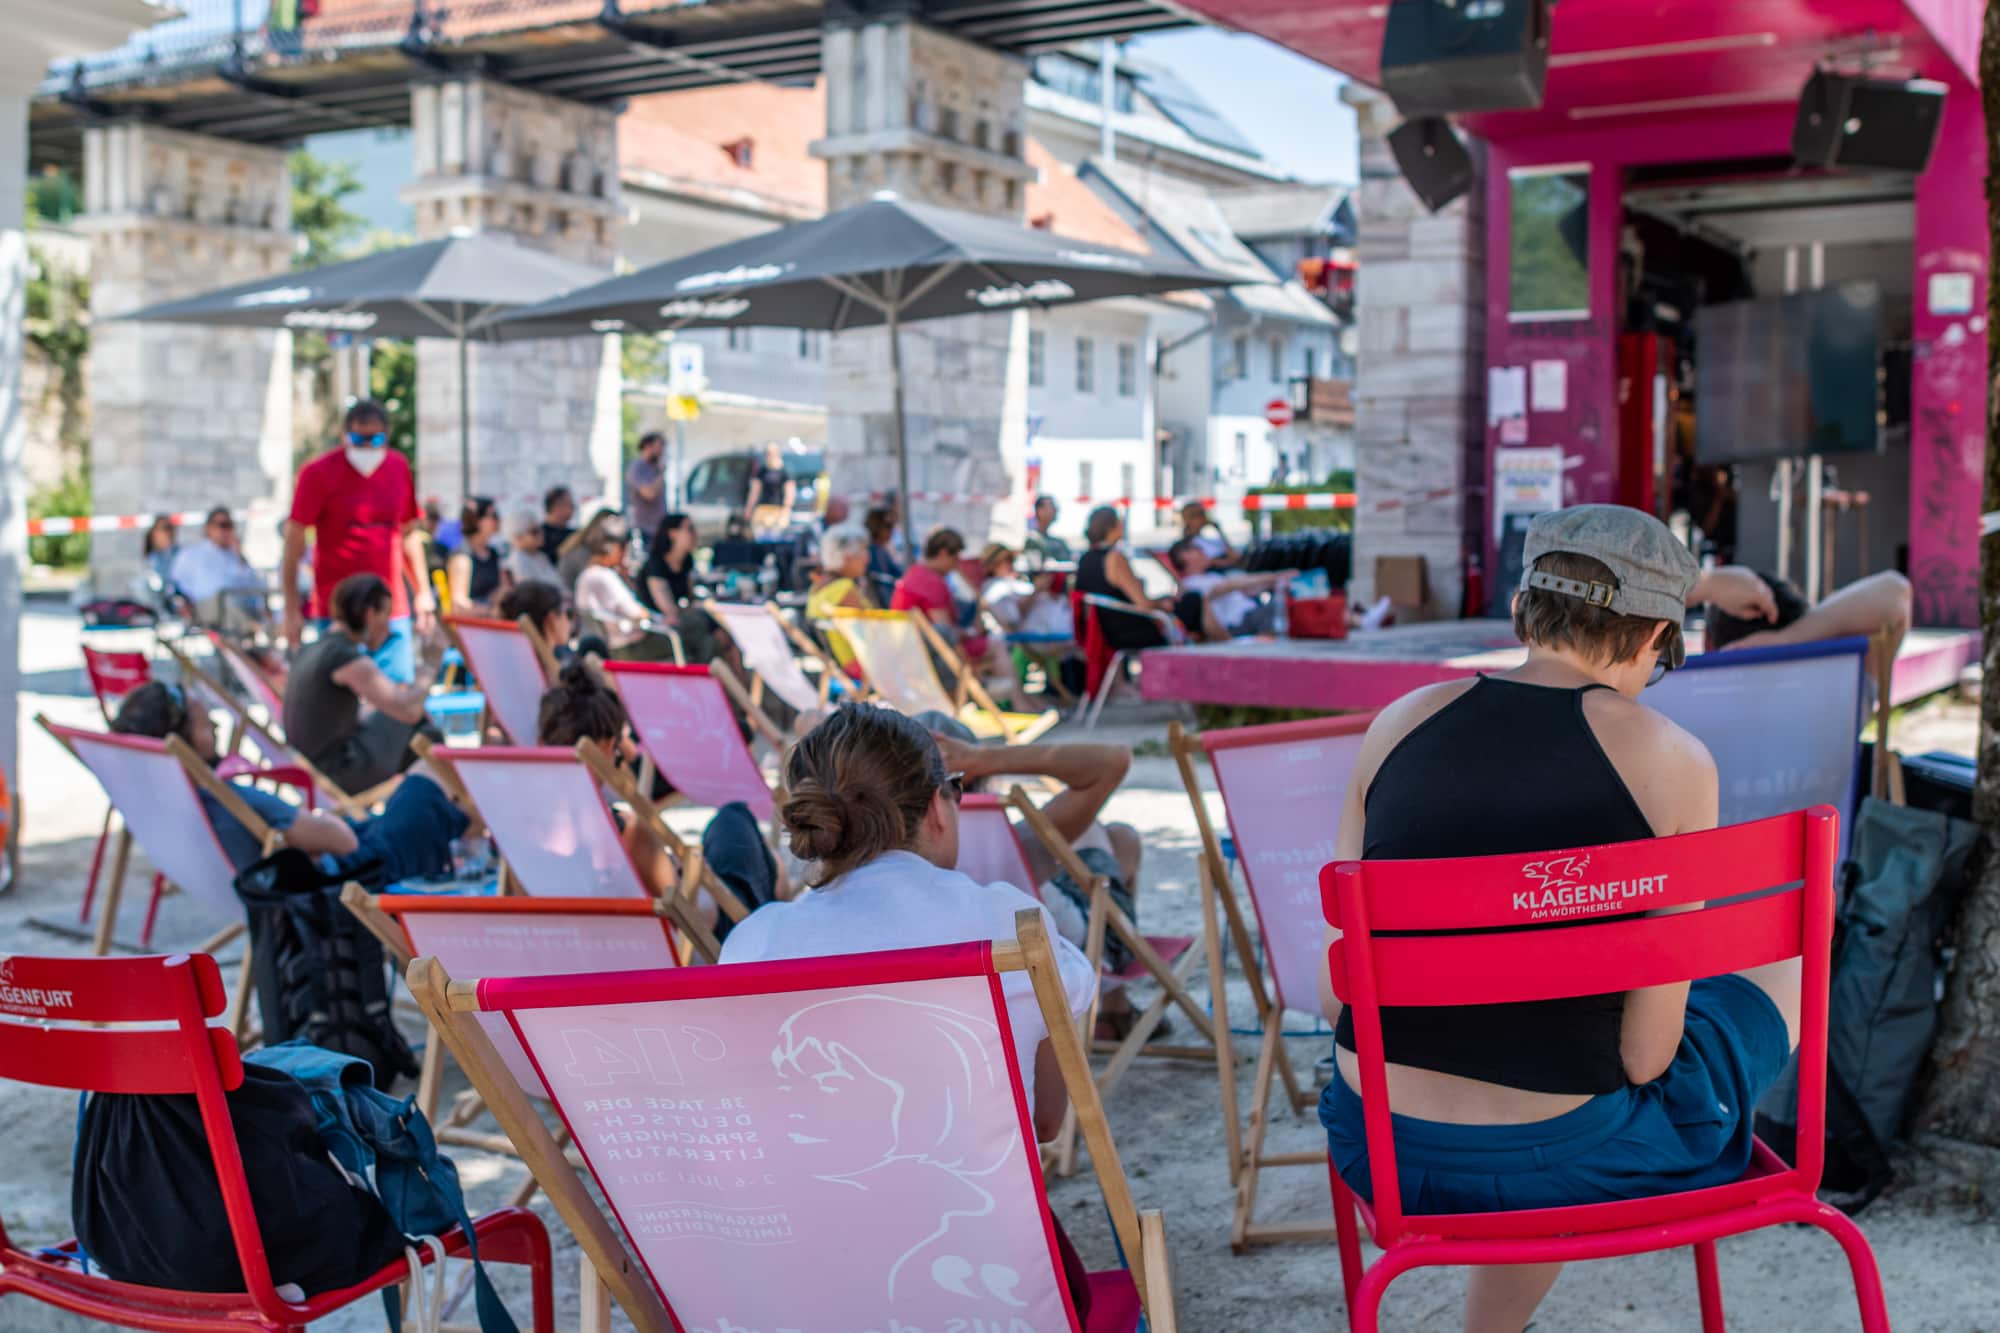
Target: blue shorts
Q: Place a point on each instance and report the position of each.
(397, 657)
(1688, 1129)
(410, 839)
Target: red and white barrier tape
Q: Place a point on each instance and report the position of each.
(63, 527)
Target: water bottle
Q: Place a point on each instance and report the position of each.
(1281, 619)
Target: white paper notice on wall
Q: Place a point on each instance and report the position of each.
(1950, 294)
(1528, 481)
(1551, 386)
(1506, 393)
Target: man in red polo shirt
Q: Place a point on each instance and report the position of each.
(361, 502)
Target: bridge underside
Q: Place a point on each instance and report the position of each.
(353, 68)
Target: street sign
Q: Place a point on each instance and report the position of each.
(684, 373)
(1279, 413)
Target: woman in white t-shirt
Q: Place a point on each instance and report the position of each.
(869, 802)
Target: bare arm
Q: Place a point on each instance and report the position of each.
(405, 703)
(1118, 573)
(756, 494)
(316, 833)
(288, 578)
(791, 495)
(663, 596)
(458, 574)
(1089, 774)
(1865, 607)
(421, 601)
(1655, 1016)
(1736, 589)
(1051, 1094)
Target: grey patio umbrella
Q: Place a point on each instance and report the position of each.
(453, 287)
(885, 262)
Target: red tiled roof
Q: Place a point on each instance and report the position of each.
(683, 141)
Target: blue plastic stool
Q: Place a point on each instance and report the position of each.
(456, 715)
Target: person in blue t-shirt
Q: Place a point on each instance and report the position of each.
(410, 839)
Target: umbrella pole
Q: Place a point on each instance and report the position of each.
(464, 415)
(902, 440)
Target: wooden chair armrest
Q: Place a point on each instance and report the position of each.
(1159, 1274)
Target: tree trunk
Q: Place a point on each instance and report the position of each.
(1964, 1094)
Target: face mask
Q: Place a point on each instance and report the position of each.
(365, 461)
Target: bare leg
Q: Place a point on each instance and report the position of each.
(1502, 1298)
(1125, 845)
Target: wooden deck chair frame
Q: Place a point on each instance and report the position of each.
(327, 794)
(1106, 917)
(1244, 1135)
(388, 928)
(610, 1272)
(970, 692)
(268, 841)
(756, 687)
(830, 670)
(1886, 783)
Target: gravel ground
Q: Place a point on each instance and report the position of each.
(1935, 1235)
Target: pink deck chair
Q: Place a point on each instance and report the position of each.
(990, 850)
(741, 1120)
(509, 672)
(1283, 787)
(156, 798)
(113, 674)
(687, 725)
(760, 638)
(549, 819)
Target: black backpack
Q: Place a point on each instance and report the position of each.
(147, 1204)
(319, 974)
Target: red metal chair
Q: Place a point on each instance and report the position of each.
(1100, 660)
(63, 1024)
(1389, 954)
(113, 675)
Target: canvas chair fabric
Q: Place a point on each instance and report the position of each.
(1447, 932)
(687, 726)
(1784, 724)
(157, 801)
(784, 1099)
(508, 670)
(766, 650)
(896, 655)
(1282, 787)
(549, 819)
(141, 1026)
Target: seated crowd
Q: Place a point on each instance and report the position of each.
(1559, 1102)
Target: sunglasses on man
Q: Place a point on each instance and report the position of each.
(371, 440)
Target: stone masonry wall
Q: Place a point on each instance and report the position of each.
(183, 417)
(1419, 390)
(544, 171)
(942, 121)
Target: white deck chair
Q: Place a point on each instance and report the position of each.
(895, 650)
(866, 1113)
(1784, 725)
(511, 674)
(990, 850)
(759, 633)
(557, 837)
(153, 785)
(1282, 787)
(686, 723)
(481, 935)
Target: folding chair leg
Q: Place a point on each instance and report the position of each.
(96, 865)
(1096, 706)
(1260, 1116)
(107, 912)
(596, 1300)
(1860, 1260)
(428, 1075)
(1225, 1051)
(239, 1004)
(152, 910)
(1709, 1279)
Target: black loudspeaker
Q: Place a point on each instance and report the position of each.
(1846, 120)
(1433, 159)
(1445, 56)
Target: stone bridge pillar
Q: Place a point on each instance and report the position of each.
(1418, 396)
(183, 417)
(544, 171)
(937, 120)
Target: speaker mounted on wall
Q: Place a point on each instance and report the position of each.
(1851, 120)
(1446, 57)
(1433, 159)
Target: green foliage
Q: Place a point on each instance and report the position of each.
(69, 500)
(1296, 520)
(392, 381)
(641, 358)
(54, 195)
(320, 215)
(57, 322)
(1221, 717)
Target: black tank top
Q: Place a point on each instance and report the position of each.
(1505, 767)
(485, 579)
(1090, 577)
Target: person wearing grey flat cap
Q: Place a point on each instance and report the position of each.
(1573, 1100)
